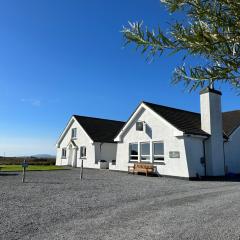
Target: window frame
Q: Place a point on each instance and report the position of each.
(158, 155)
(142, 126)
(130, 155)
(85, 151)
(64, 156)
(141, 155)
(74, 136)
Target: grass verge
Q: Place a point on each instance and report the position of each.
(18, 168)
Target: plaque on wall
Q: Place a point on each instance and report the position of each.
(174, 154)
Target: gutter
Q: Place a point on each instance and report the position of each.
(204, 156)
(224, 157)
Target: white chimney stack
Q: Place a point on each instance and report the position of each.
(211, 123)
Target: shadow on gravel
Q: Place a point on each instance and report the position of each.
(41, 182)
(220, 179)
(150, 175)
(8, 174)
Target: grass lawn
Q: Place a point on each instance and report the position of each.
(17, 168)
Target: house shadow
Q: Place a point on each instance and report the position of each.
(235, 178)
(42, 182)
(198, 173)
(8, 174)
(148, 131)
(150, 175)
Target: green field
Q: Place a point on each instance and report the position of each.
(17, 168)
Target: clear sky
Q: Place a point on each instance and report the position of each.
(64, 57)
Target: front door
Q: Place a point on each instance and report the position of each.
(74, 157)
(70, 155)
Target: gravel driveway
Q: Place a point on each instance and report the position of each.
(114, 205)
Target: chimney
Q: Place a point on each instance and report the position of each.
(211, 123)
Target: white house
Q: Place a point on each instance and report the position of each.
(91, 139)
(180, 143)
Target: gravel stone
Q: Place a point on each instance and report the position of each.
(110, 205)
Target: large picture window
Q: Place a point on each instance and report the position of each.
(158, 151)
(145, 152)
(133, 152)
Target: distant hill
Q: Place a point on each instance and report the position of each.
(41, 159)
(35, 156)
(43, 156)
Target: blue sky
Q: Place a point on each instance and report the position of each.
(60, 57)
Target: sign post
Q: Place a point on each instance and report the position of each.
(81, 171)
(24, 166)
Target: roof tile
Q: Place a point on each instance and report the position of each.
(100, 130)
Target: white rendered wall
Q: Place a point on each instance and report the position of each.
(59, 160)
(232, 152)
(95, 151)
(81, 140)
(211, 120)
(194, 152)
(160, 131)
(108, 151)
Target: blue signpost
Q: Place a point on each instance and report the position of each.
(24, 166)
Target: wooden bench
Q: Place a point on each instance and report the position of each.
(142, 168)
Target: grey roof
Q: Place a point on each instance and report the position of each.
(104, 130)
(190, 122)
(231, 121)
(100, 130)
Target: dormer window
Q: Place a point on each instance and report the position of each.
(74, 133)
(139, 126)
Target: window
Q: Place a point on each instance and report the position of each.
(74, 133)
(133, 152)
(83, 152)
(64, 153)
(158, 151)
(139, 126)
(145, 152)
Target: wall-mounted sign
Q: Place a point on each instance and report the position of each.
(174, 154)
(24, 164)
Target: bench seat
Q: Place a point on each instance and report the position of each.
(142, 168)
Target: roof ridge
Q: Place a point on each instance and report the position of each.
(104, 119)
(231, 111)
(237, 110)
(170, 107)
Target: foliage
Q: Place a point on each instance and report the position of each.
(209, 29)
(30, 160)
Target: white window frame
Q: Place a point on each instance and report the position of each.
(158, 155)
(74, 133)
(138, 122)
(64, 156)
(83, 156)
(133, 160)
(141, 155)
